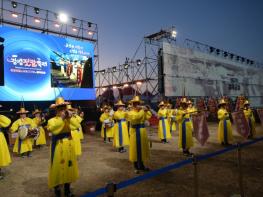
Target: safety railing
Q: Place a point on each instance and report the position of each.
(111, 188)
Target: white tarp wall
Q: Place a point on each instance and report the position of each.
(203, 74)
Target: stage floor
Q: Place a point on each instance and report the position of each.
(100, 163)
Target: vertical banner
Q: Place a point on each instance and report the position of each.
(241, 123)
(260, 115)
(201, 132)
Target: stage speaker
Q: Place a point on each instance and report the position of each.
(2, 61)
(160, 72)
(87, 78)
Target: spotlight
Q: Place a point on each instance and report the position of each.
(103, 89)
(74, 20)
(217, 51)
(37, 20)
(251, 62)
(237, 58)
(15, 15)
(126, 65)
(242, 59)
(74, 29)
(63, 17)
(14, 4)
(138, 83)
(138, 61)
(103, 72)
(114, 69)
(225, 54)
(231, 56)
(90, 33)
(248, 61)
(114, 87)
(173, 33)
(57, 25)
(89, 24)
(36, 10)
(211, 49)
(126, 85)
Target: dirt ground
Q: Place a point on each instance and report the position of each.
(100, 163)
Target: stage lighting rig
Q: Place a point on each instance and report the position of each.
(139, 62)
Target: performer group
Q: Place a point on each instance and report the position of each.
(125, 128)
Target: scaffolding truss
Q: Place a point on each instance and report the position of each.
(32, 18)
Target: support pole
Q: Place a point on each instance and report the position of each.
(196, 182)
(111, 189)
(240, 173)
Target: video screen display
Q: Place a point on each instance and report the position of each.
(37, 66)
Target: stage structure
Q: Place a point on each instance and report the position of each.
(138, 75)
(46, 53)
(168, 69)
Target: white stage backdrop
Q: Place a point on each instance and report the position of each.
(202, 74)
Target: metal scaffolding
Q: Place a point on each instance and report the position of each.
(141, 72)
(26, 17)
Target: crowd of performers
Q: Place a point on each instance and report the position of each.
(125, 127)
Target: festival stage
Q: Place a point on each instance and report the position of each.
(100, 163)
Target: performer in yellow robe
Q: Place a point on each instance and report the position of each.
(121, 136)
(171, 117)
(185, 128)
(163, 127)
(139, 151)
(5, 158)
(39, 121)
(23, 147)
(75, 128)
(63, 167)
(80, 118)
(107, 124)
(250, 118)
(224, 127)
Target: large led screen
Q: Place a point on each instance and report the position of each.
(38, 67)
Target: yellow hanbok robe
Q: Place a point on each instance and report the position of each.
(22, 146)
(163, 127)
(121, 136)
(108, 131)
(5, 158)
(171, 120)
(75, 128)
(185, 129)
(139, 143)
(63, 166)
(251, 121)
(224, 126)
(41, 140)
(81, 136)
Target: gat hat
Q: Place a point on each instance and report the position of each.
(22, 111)
(161, 104)
(69, 107)
(183, 100)
(119, 103)
(221, 102)
(246, 102)
(136, 99)
(59, 102)
(36, 111)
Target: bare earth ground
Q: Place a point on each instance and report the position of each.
(100, 163)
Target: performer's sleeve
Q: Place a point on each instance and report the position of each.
(102, 118)
(220, 114)
(159, 113)
(74, 123)
(14, 126)
(4, 121)
(33, 123)
(54, 126)
(135, 118)
(148, 115)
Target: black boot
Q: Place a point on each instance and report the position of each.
(67, 191)
(136, 168)
(109, 140)
(57, 191)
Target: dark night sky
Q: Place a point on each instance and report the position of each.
(232, 25)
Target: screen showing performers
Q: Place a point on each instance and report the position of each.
(40, 67)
